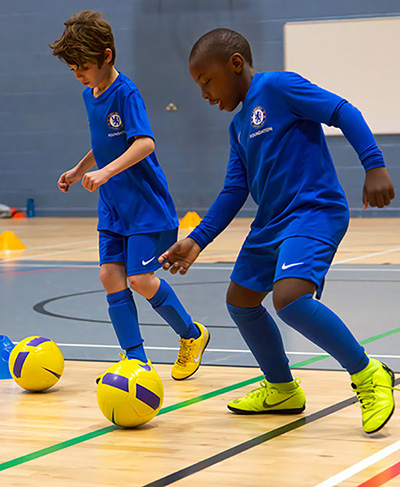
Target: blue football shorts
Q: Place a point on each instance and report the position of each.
(258, 268)
(138, 252)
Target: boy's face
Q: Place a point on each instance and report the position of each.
(219, 81)
(89, 74)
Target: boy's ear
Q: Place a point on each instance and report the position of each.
(108, 55)
(237, 62)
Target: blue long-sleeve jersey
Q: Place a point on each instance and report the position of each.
(280, 156)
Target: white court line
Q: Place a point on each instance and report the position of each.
(358, 467)
(374, 254)
(33, 257)
(55, 246)
(361, 269)
(67, 266)
(219, 350)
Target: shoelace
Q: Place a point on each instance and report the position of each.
(366, 393)
(262, 390)
(265, 389)
(185, 352)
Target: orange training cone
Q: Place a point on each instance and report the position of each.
(190, 220)
(19, 214)
(9, 241)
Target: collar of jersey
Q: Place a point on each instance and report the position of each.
(108, 91)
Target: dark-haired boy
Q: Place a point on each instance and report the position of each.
(279, 155)
(137, 218)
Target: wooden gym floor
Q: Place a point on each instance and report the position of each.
(60, 438)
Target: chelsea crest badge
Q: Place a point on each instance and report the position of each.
(258, 117)
(114, 120)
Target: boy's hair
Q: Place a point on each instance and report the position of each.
(223, 43)
(85, 38)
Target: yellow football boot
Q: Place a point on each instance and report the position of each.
(190, 354)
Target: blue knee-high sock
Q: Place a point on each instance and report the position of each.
(123, 314)
(324, 328)
(166, 303)
(264, 340)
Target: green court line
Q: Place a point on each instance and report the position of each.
(382, 335)
(233, 387)
(174, 407)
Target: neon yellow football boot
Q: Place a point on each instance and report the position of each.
(190, 354)
(374, 389)
(269, 398)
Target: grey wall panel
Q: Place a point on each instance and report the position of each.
(43, 124)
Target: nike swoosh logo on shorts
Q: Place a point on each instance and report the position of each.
(284, 266)
(147, 261)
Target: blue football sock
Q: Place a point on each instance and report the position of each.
(166, 303)
(137, 353)
(320, 325)
(123, 314)
(264, 340)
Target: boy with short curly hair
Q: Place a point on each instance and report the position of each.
(279, 155)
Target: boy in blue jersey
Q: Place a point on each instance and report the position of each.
(137, 218)
(279, 155)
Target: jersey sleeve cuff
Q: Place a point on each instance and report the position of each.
(200, 239)
(373, 162)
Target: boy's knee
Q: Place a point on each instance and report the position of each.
(134, 283)
(242, 297)
(113, 278)
(281, 299)
(106, 277)
(137, 283)
(288, 290)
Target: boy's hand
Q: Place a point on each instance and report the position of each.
(378, 188)
(180, 256)
(67, 179)
(93, 179)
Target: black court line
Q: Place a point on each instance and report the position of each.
(41, 307)
(247, 445)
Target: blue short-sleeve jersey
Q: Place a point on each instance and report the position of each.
(137, 200)
(279, 152)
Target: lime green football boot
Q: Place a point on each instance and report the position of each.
(269, 398)
(374, 389)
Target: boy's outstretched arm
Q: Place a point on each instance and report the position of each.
(180, 256)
